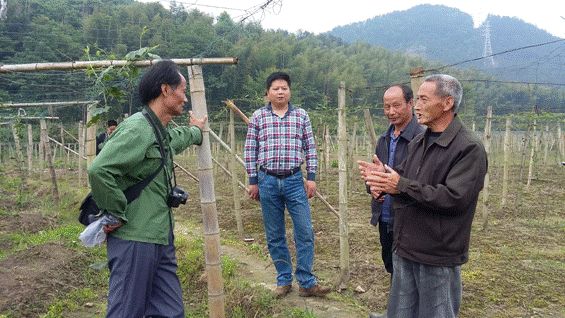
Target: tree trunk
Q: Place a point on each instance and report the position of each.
(208, 199)
(343, 214)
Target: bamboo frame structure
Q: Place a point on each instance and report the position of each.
(342, 172)
(487, 142)
(78, 65)
(208, 199)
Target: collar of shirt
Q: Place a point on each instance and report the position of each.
(290, 109)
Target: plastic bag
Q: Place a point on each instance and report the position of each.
(93, 235)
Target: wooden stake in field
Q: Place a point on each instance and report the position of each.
(19, 157)
(234, 179)
(208, 199)
(487, 140)
(343, 214)
(81, 138)
(29, 148)
(506, 166)
(532, 154)
(49, 157)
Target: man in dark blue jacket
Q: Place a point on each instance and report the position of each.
(435, 195)
(391, 150)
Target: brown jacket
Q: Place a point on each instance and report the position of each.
(439, 188)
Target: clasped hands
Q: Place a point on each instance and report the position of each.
(380, 178)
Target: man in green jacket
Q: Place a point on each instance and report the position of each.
(140, 245)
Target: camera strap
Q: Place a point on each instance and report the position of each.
(161, 147)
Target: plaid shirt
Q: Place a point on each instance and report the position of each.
(278, 144)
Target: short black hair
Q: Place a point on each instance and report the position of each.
(277, 76)
(163, 72)
(111, 122)
(406, 91)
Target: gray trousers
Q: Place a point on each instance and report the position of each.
(424, 291)
(143, 280)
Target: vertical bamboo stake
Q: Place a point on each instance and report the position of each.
(81, 138)
(506, 166)
(90, 139)
(208, 199)
(29, 148)
(342, 161)
(546, 141)
(45, 138)
(351, 157)
(233, 167)
(561, 143)
(370, 128)
(487, 140)
(532, 154)
(19, 157)
(327, 146)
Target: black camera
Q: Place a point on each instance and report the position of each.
(177, 197)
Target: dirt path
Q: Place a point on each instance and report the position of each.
(260, 272)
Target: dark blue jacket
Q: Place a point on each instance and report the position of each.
(382, 150)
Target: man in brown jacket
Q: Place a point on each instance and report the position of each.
(435, 195)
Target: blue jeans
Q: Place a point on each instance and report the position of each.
(420, 290)
(275, 194)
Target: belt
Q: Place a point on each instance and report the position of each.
(281, 174)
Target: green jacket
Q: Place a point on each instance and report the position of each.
(129, 155)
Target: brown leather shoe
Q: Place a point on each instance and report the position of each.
(282, 291)
(314, 291)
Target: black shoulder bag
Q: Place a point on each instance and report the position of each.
(89, 211)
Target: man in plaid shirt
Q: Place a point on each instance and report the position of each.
(279, 139)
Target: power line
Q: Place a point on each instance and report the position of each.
(495, 54)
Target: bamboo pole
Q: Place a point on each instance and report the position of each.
(561, 141)
(487, 141)
(231, 105)
(546, 141)
(327, 146)
(234, 179)
(416, 79)
(46, 104)
(532, 155)
(208, 199)
(90, 141)
(369, 126)
(66, 148)
(45, 137)
(29, 148)
(78, 65)
(229, 174)
(81, 137)
(19, 156)
(506, 166)
(343, 213)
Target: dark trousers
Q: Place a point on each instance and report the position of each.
(143, 280)
(386, 237)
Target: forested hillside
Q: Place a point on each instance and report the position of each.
(446, 34)
(62, 30)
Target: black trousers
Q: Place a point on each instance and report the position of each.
(386, 237)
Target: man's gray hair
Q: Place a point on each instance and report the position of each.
(447, 85)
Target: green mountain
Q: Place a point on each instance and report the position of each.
(70, 30)
(447, 35)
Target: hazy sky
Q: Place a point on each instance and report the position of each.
(320, 16)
